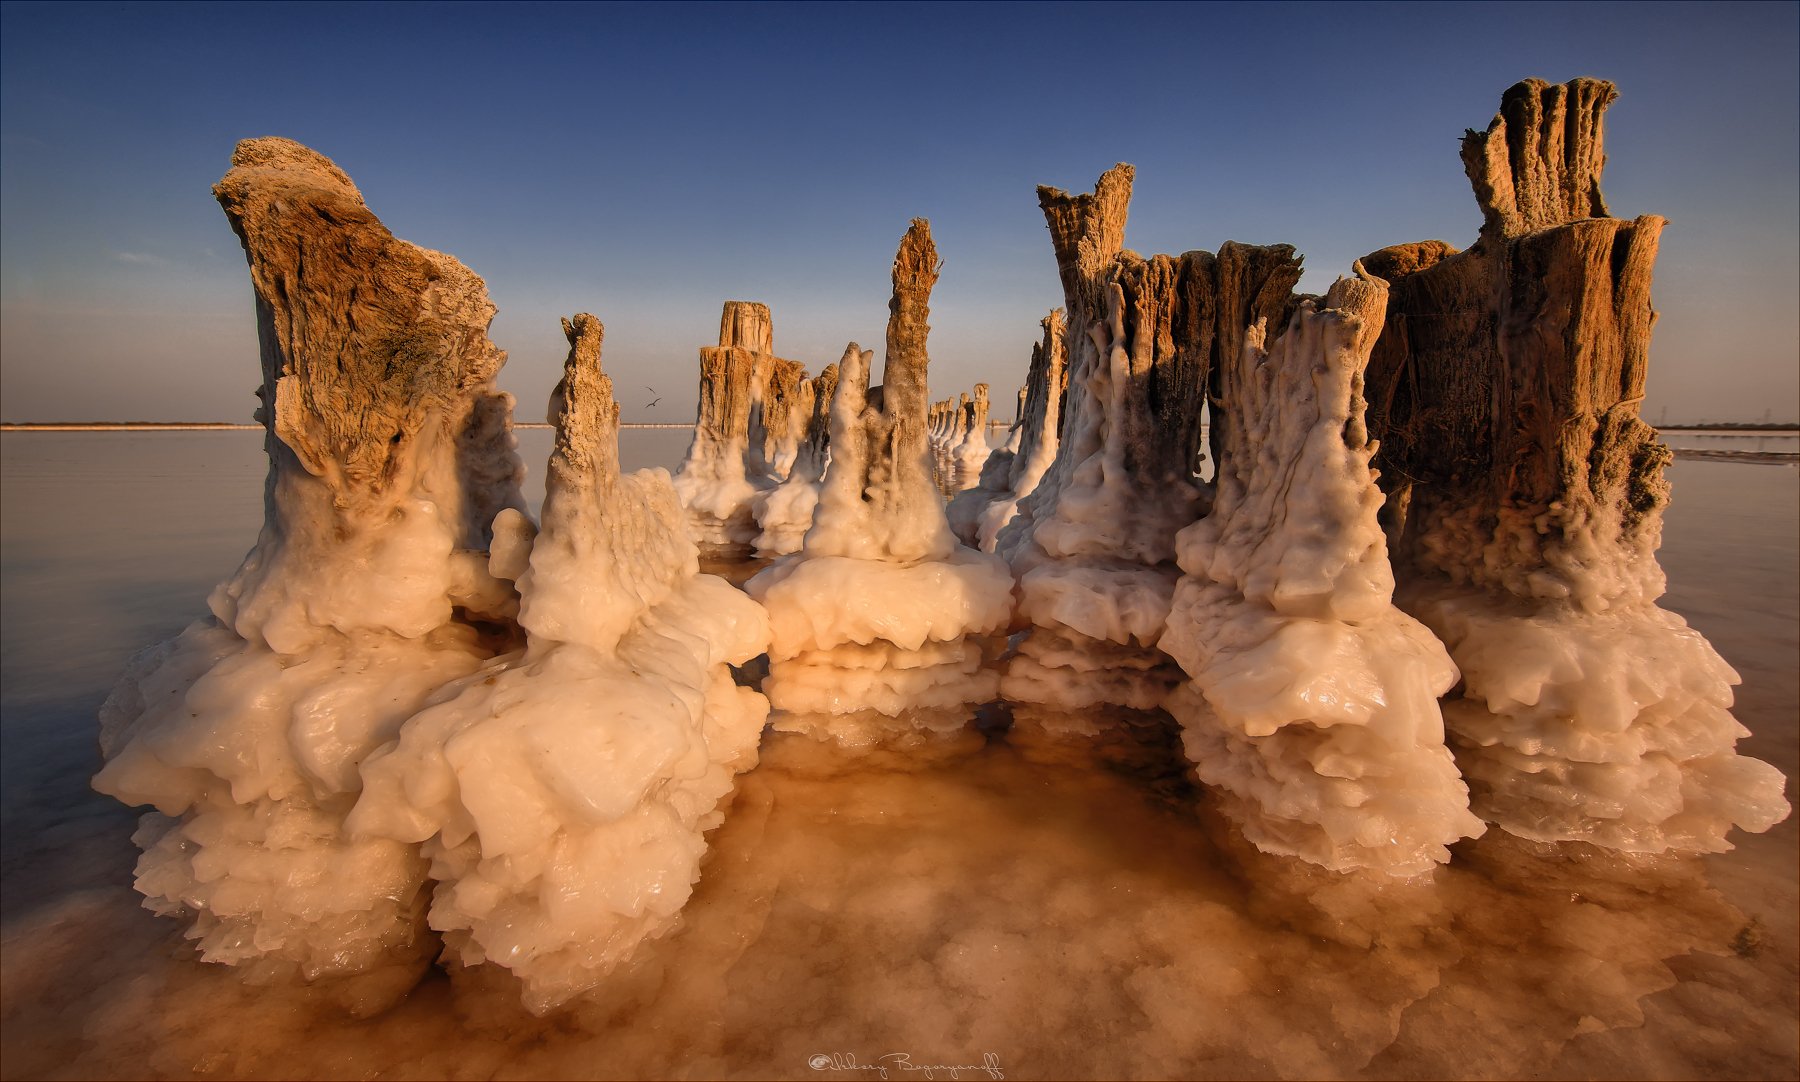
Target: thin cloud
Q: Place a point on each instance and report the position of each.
(140, 259)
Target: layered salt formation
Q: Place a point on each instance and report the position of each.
(1093, 545)
(1013, 472)
(744, 432)
(877, 623)
(1313, 706)
(1525, 503)
(390, 452)
(561, 793)
(785, 512)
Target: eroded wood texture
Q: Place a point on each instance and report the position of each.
(1505, 387)
(370, 346)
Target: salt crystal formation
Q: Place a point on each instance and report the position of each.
(1093, 546)
(746, 434)
(1313, 708)
(785, 513)
(1525, 503)
(969, 452)
(1012, 472)
(390, 452)
(876, 624)
(561, 793)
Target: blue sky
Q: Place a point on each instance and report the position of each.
(647, 163)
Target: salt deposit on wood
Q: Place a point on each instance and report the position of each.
(417, 725)
(560, 793)
(746, 432)
(1093, 545)
(785, 513)
(390, 452)
(1313, 708)
(1013, 471)
(1526, 496)
(877, 622)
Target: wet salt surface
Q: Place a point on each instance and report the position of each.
(1072, 911)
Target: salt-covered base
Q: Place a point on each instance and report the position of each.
(1610, 727)
(784, 514)
(967, 459)
(853, 639)
(251, 758)
(1063, 670)
(1323, 736)
(721, 514)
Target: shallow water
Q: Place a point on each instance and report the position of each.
(1069, 911)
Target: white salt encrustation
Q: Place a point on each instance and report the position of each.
(561, 793)
(1093, 545)
(746, 431)
(1526, 501)
(1011, 473)
(878, 624)
(969, 451)
(1313, 705)
(785, 512)
(390, 452)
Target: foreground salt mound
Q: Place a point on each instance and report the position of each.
(876, 624)
(390, 451)
(746, 432)
(785, 513)
(561, 793)
(978, 514)
(1093, 545)
(1525, 500)
(1313, 707)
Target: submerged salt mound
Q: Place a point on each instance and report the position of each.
(785, 513)
(876, 621)
(1526, 500)
(389, 453)
(561, 793)
(747, 433)
(1313, 705)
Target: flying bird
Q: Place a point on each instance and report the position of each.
(652, 390)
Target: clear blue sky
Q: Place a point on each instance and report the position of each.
(646, 163)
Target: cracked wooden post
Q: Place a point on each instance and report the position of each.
(1525, 500)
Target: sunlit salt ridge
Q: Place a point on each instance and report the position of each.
(420, 726)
